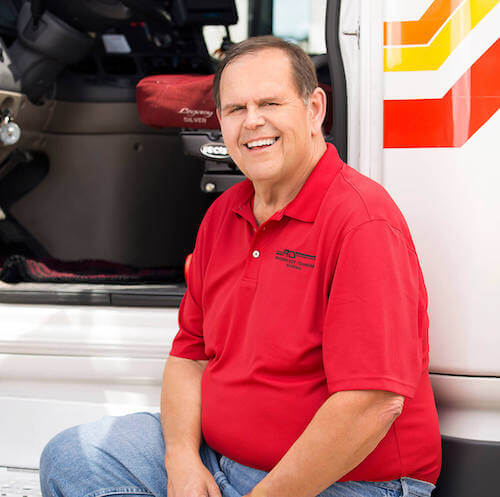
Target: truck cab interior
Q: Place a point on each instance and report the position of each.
(98, 207)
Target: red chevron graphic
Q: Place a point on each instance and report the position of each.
(451, 120)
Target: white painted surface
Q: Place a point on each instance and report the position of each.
(468, 407)
(361, 44)
(371, 97)
(19, 482)
(116, 370)
(350, 50)
(317, 42)
(86, 330)
(65, 365)
(450, 198)
(398, 10)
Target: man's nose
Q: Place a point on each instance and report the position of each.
(254, 117)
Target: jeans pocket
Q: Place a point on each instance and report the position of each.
(416, 488)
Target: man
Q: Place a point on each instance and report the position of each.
(300, 367)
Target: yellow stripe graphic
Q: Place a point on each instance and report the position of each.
(431, 56)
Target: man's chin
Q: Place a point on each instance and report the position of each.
(262, 177)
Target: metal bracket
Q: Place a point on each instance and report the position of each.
(354, 32)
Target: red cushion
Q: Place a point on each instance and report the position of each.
(185, 101)
(177, 101)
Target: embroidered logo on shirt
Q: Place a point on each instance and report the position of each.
(294, 259)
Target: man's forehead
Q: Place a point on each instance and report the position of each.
(269, 69)
(259, 57)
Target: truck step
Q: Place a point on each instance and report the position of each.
(19, 482)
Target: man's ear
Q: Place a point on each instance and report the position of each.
(317, 107)
(217, 113)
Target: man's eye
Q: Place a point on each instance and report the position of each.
(271, 103)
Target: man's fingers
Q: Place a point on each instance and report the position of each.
(199, 484)
(213, 490)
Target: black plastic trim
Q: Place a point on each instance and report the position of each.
(337, 75)
(167, 296)
(150, 297)
(260, 17)
(219, 13)
(55, 298)
(220, 182)
(470, 468)
(462, 375)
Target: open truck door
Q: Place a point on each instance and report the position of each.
(423, 94)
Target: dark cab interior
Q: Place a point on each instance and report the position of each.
(97, 207)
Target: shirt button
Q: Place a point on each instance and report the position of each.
(255, 254)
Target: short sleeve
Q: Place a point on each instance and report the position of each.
(189, 342)
(371, 330)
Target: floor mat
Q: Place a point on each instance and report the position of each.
(17, 268)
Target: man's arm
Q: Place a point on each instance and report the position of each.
(181, 423)
(346, 428)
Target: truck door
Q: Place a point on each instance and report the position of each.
(423, 94)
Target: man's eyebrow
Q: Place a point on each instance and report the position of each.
(231, 106)
(270, 99)
(260, 101)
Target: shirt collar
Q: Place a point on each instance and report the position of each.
(306, 204)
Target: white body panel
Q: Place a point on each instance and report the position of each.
(450, 199)
(65, 365)
(468, 407)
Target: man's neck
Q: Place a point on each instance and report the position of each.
(271, 198)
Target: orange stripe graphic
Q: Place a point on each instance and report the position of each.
(420, 32)
(451, 120)
(430, 57)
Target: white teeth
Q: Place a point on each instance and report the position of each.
(261, 143)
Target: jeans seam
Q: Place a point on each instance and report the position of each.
(230, 464)
(118, 491)
(220, 479)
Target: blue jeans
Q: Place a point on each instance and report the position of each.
(118, 456)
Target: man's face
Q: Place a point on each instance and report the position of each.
(266, 125)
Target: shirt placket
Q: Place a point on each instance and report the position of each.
(258, 248)
(255, 255)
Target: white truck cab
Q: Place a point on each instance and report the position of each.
(415, 93)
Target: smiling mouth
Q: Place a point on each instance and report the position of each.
(261, 144)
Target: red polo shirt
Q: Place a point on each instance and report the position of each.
(326, 295)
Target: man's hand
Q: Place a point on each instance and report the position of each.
(190, 479)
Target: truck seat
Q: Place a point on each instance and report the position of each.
(177, 101)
